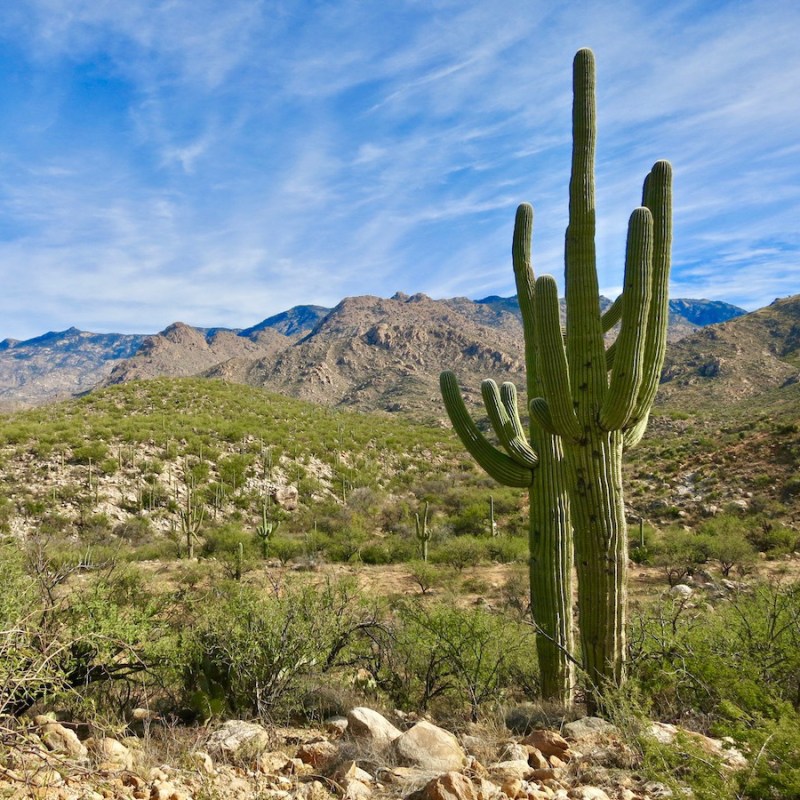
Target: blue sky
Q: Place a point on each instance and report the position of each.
(219, 161)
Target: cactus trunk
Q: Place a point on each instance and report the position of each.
(599, 400)
(551, 572)
(601, 556)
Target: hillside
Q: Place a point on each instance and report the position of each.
(737, 359)
(386, 354)
(59, 364)
(396, 351)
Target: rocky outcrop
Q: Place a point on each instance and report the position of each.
(245, 761)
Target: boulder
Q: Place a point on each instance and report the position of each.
(355, 782)
(731, 757)
(286, 497)
(548, 743)
(538, 761)
(587, 728)
(110, 753)
(59, 739)
(450, 786)
(587, 793)
(322, 755)
(514, 752)
(511, 770)
(429, 747)
(238, 739)
(371, 727)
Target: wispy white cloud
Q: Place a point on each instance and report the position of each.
(221, 162)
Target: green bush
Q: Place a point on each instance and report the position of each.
(455, 659)
(459, 552)
(252, 654)
(737, 668)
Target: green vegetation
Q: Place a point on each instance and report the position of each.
(101, 611)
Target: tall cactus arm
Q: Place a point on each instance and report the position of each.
(511, 437)
(497, 464)
(540, 412)
(658, 198)
(585, 345)
(611, 354)
(612, 315)
(523, 276)
(553, 371)
(632, 436)
(626, 376)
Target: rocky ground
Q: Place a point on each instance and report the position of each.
(359, 756)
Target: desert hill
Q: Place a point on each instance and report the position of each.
(386, 354)
(367, 352)
(736, 359)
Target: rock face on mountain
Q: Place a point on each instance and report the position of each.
(181, 351)
(738, 358)
(294, 322)
(387, 354)
(368, 352)
(59, 364)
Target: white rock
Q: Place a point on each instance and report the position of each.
(429, 747)
(236, 738)
(366, 724)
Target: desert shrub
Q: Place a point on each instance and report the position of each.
(677, 554)
(772, 538)
(729, 548)
(738, 669)
(426, 576)
(18, 588)
(507, 549)
(94, 452)
(285, 549)
(223, 540)
(473, 520)
(390, 550)
(459, 552)
(134, 530)
(454, 659)
(110, 631)
(251, 654)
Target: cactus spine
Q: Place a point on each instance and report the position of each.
(535, 463)
(598, 401)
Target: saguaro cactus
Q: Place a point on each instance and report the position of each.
(267, 528)
(423, 532)
(535, 463)
(598, 400)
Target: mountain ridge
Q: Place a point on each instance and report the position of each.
(331, 355)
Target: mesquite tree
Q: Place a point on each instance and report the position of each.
(598, 400)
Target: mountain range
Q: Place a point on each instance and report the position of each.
(368, 352)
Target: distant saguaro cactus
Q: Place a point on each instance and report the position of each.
(423, 532)
(598, 400)
(266, 528)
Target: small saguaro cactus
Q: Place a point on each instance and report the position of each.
(534, 463)
(191, 517)
(266, 528)
(423, 532)
(598, 400)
